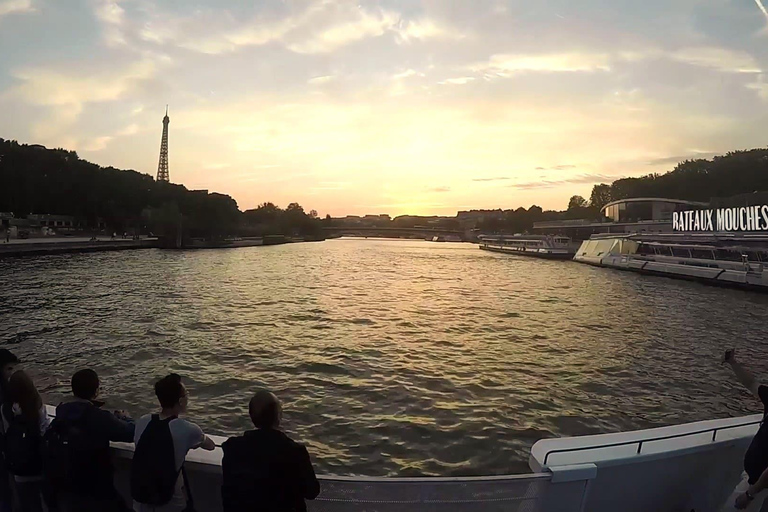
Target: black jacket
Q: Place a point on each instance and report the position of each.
(265, 471)
(93, 465)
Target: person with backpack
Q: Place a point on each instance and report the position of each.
(8, 363)
(162, 442)
(25, 421)
(77, 461)
(264, 470)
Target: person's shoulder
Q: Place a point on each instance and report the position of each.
(184, 424)
(294, 446)
(144, 420)
(762, 393)
(234, 444)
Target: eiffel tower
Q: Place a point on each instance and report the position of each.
(162, 166)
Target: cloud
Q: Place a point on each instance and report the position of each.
(112, 17)
(421, 30)
(97, 144)
(504, 65)
(48, 86)
(439, 189)
(682, 158)
(721, 59)
(131, 129)
(760, 86)
(361, 24)
(319, 80)
(16, 7)
(578, 180)
(320, 27)
(406, 74)
(498, 178)
(458, 81)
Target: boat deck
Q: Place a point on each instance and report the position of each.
(685, 467)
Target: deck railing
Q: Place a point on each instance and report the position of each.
(641, 442)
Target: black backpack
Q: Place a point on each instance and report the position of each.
(153, 470)
(22, 450)
(62, 455)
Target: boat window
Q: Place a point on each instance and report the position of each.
(702, 254)
(728, 255)
(645, 249)
(681, 252)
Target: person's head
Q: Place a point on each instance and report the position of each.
(265, 410)
(85, 384)
(22, 391)
(171, 393)
(8, 362)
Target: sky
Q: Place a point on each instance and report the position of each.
(388, 106)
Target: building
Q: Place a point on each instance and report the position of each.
(644, 209)
(632, 215)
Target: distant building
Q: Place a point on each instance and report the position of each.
(633, 215)
(60, 222)
(643, 209)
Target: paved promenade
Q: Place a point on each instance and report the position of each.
(59, 245)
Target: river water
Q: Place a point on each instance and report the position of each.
(391, 357)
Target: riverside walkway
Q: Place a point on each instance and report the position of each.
(62, 245)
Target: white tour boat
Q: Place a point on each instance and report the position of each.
(539, 246)
(731, 260)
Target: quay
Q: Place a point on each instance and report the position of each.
(64, 245)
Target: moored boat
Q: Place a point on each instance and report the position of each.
(723, 259)
(538, 246)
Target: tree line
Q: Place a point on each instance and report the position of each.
(34, 179)
(737, 173)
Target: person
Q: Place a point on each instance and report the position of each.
(265, 470)
(162, 442)
(749, 493)
(25, 421)
(8, 363)
(79, 448)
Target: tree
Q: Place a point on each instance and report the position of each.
(577, 202)
(312, 214)
(601, 195)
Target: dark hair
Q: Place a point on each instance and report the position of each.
(264, 410)
(169, 390)
(7, 357)
(23, 392)
(85, 383)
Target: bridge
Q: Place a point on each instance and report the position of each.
(393, 232)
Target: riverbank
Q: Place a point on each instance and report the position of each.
(63, 245)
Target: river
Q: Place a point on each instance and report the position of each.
(391, 357)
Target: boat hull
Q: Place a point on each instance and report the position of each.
(547, 255)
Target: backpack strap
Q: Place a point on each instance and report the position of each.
(188, 491)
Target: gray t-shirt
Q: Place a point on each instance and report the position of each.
(186, 436)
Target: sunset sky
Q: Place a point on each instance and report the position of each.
(388, 106)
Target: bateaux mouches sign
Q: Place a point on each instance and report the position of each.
(744, 218)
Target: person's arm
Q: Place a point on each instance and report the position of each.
(197, 439)
(114, 428)
(309, 484)
(742, 374)
(207, 444)
(743, 500)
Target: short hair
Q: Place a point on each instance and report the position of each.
(169, 390)
(264, 409)
(85, 383)
(8, 357)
